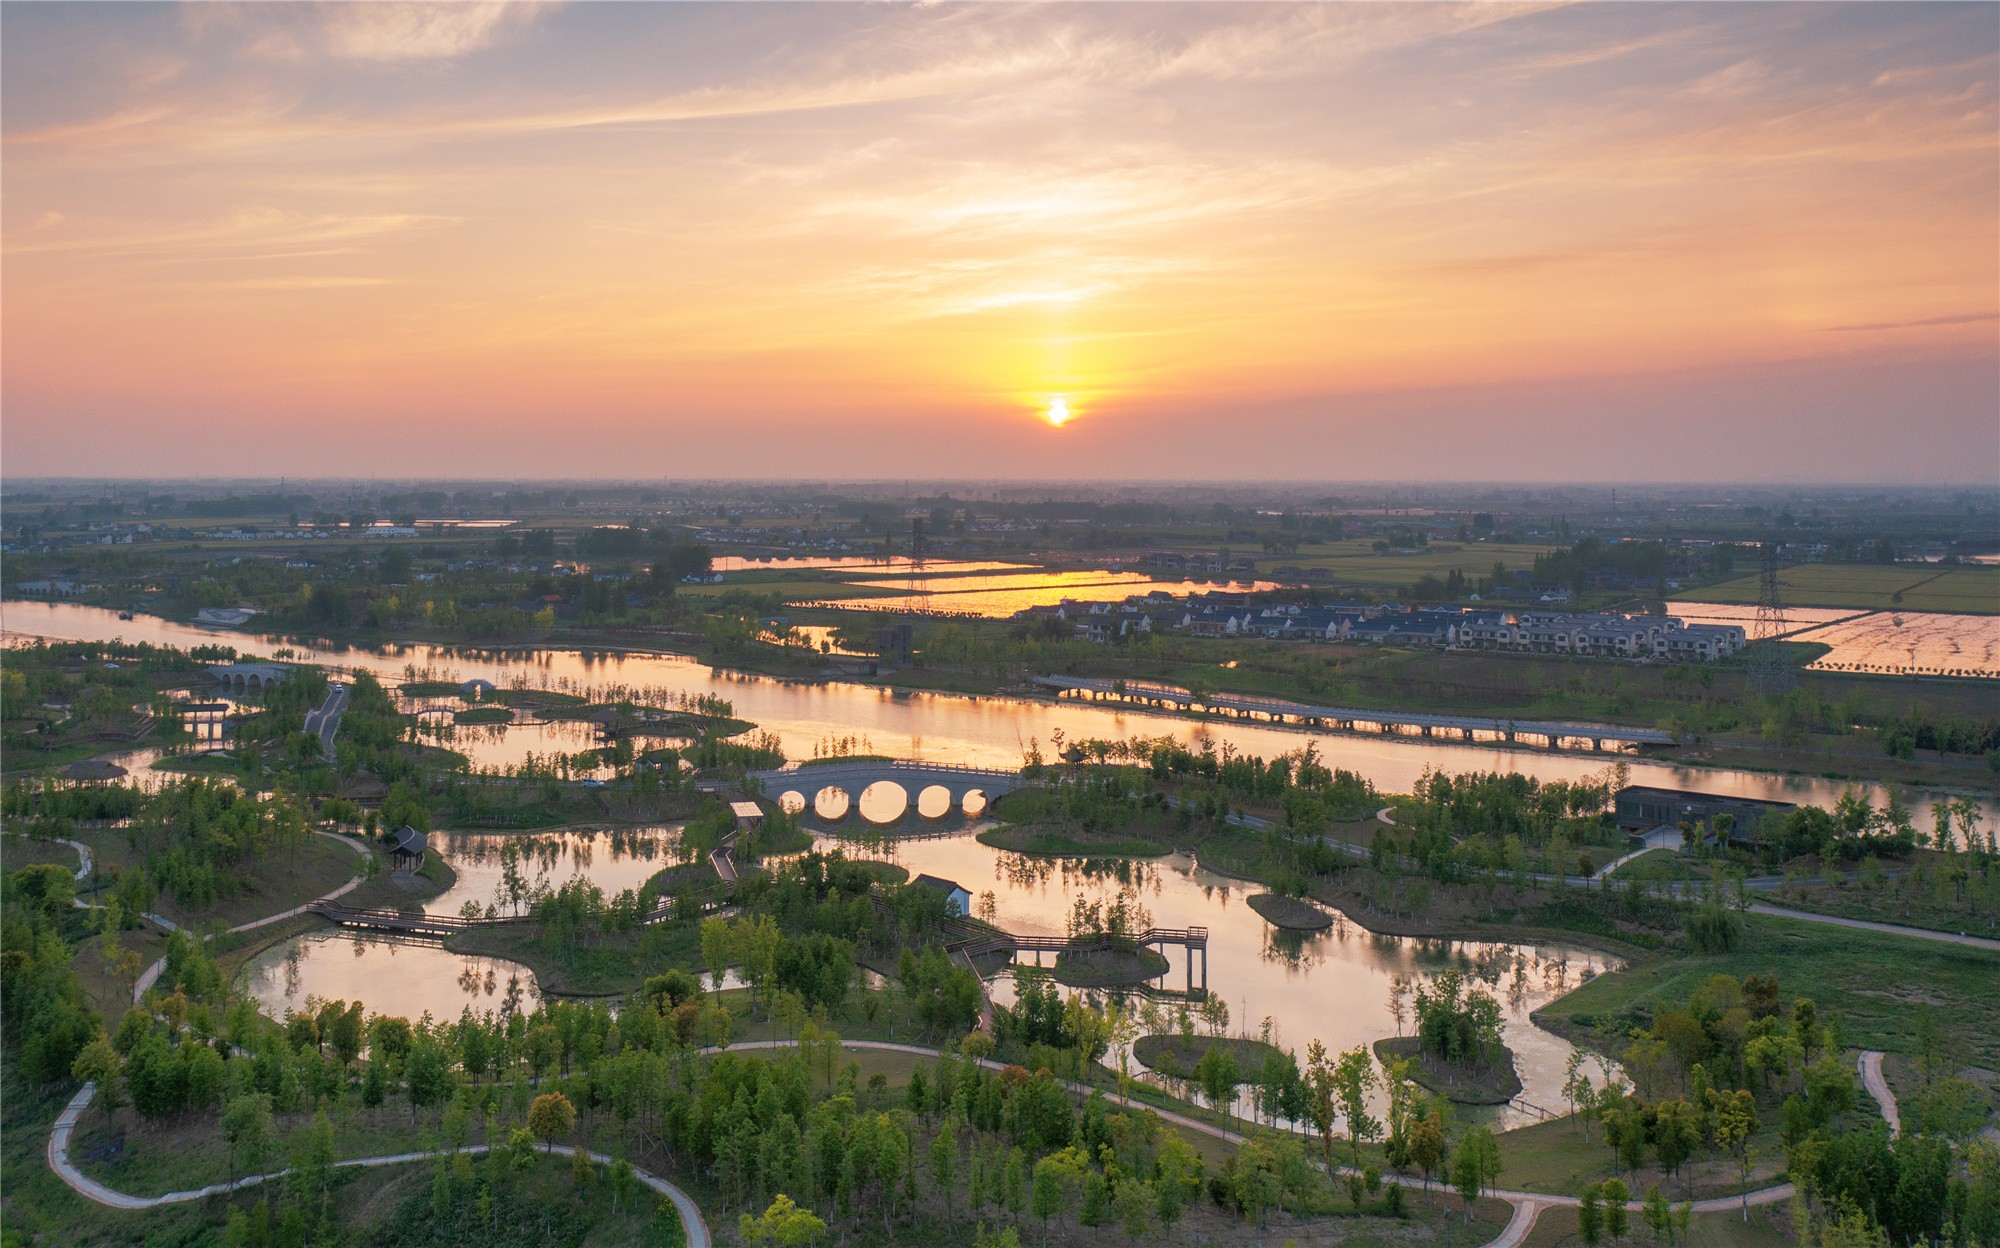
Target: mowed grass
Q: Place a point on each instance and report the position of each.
(1971, 590)
(1879, 985)
(1355, 563)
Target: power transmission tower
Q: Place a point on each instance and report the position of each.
(1769, 670)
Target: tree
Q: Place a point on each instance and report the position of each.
(1658, 1215)
(1177, 1178)
(1058, 1185)
(551, 1117)
(1216, 1073)
(1589, 1217)
(1355, 1077)
(427, 1070)
(944, 1163)
(1735, 1127)
(1616, 1220)
(717, 947)
(1427, 1144)
(246, 1124)
(98, 1062)
(1475, 1164)
(784, 1223)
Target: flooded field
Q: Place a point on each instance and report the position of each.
(996, 597)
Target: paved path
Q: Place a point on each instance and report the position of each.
(91, 1189)
(1921, 933)
(1658, 838)
(1871, 1075)
(324, 722)
(151, 975)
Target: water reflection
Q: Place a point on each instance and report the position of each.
(504, 870)
(1339, 986)
(408, 978)
(983, 731)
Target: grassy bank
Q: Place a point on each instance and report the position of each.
(1881, 985)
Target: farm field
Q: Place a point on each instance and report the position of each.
(1355, 563)
(1970, 590)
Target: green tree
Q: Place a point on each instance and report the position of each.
(1217, 1074)
(1058, 1185)
(1616, 1218)
(551, 1117)
(1589, 1217)
(1658, 1215)
(784, 1223)
(246, 1125)
(1474, 1165)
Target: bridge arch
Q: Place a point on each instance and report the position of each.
(883, 802)
(974, 803)
(832, 803)
(936, 801)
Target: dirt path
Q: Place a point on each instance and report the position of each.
(1870, 1066)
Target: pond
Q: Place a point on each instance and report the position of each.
(1333, 986)
(391, 975)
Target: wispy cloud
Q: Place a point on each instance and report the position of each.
(1965, 318)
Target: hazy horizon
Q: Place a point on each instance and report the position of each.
(1632, 243)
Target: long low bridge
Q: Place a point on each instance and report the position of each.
(915, 778)
(1344, 718)
(407, 922)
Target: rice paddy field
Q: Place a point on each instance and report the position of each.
(1910, 643)
(1973, 590)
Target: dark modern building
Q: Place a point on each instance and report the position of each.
(1640, 808)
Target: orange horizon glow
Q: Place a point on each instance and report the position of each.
(722, 238)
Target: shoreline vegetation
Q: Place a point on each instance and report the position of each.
(1176, 1056)
(1054, 843)
(1494, 1084)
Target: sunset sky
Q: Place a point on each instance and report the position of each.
(1616, 241)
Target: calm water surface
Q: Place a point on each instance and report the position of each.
(985, 731)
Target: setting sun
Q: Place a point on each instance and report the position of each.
(1058, 413)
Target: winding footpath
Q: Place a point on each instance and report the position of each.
(1870, 1065)
(1528, 1206)
(90, 1189)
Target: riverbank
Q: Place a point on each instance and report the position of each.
(1056, 843)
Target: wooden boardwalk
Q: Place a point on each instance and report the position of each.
(406, 922)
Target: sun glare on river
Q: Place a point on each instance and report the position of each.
(1058, 413)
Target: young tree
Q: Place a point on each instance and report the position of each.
(944, 1163)
(1427, 1145)
(1735, 1128)
(550, 1118)
(784, 1223)
(1355, 1077)
(717, 950)
(1058, 1185)
(1216, 1073)
(1658, 1215)
(1616, 1218)
(1177, 1179)
(246, 1125)
(1475, 1165)
(1589, 1217)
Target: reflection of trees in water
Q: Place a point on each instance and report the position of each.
(471, 979)
(1297, 950)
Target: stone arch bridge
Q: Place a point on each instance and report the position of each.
(915, 779)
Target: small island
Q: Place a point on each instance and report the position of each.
(1457, 1052)
(1290, 913)
(1109, 968)
(1177, 1056)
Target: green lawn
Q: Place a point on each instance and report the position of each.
(1876, 983)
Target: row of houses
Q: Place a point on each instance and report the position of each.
(1604, 634)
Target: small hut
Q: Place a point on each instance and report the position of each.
(406, 850)
(749, 816)
(957, 898)
(93, 771)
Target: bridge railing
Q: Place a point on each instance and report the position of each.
(951, 769)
